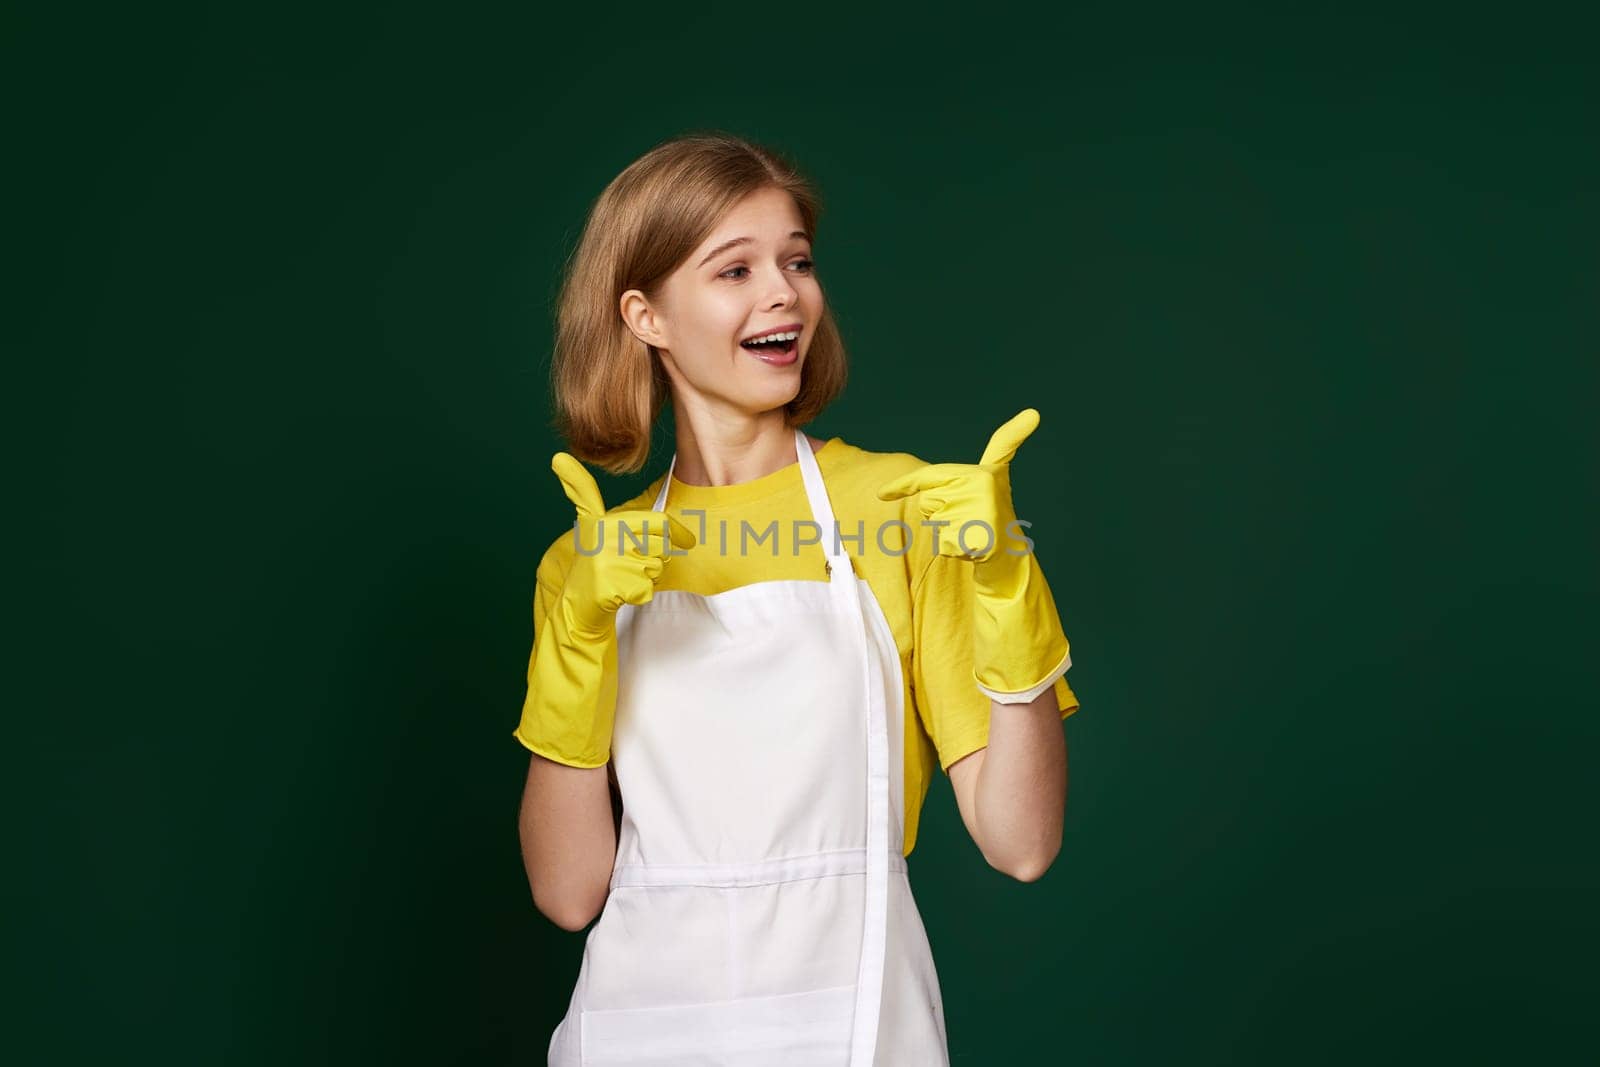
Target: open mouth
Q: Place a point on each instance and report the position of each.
(775, 348)
(772, 351)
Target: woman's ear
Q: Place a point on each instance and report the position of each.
(640, 318)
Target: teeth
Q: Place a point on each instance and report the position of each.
(787, 335)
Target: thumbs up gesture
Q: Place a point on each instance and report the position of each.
(570, 710)
(1018, 646)
(975, 499)
(620, 556)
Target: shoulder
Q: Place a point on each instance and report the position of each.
(867, 464)
(556, 561)
(855, 477)
(856, 474)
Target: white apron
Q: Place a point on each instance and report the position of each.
(760, 911)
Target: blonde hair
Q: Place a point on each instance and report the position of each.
(608, 386)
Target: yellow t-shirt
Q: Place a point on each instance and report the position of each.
(749, 533)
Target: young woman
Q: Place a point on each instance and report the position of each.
(765, 653)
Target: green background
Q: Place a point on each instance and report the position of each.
(1306, 303)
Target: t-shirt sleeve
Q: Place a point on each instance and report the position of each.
(953, 710)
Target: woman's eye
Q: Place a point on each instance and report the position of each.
(805, 266)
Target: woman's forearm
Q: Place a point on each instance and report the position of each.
(1020, 795)
(569, 840)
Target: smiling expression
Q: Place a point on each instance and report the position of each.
(751, 277)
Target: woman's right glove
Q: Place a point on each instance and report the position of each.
(572, 685)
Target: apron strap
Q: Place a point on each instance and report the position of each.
(666, 482)
(838, 561)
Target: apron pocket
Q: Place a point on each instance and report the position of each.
(790, 1030)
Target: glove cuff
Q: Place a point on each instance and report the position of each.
(1018, 645)
(572, 693)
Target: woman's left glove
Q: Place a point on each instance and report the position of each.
(1017, 642)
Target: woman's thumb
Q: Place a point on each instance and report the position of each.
(1005, 441)
(579, 484)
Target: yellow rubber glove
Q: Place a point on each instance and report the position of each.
(1017, 640)
(572, 686)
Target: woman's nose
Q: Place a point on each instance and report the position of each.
(783, 295)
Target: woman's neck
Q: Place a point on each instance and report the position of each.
(730, 454)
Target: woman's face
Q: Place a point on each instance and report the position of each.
(751, 276)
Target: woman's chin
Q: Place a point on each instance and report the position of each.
(773, 394)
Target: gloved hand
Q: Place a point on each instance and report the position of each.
(572, 685)
(1017, 636)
